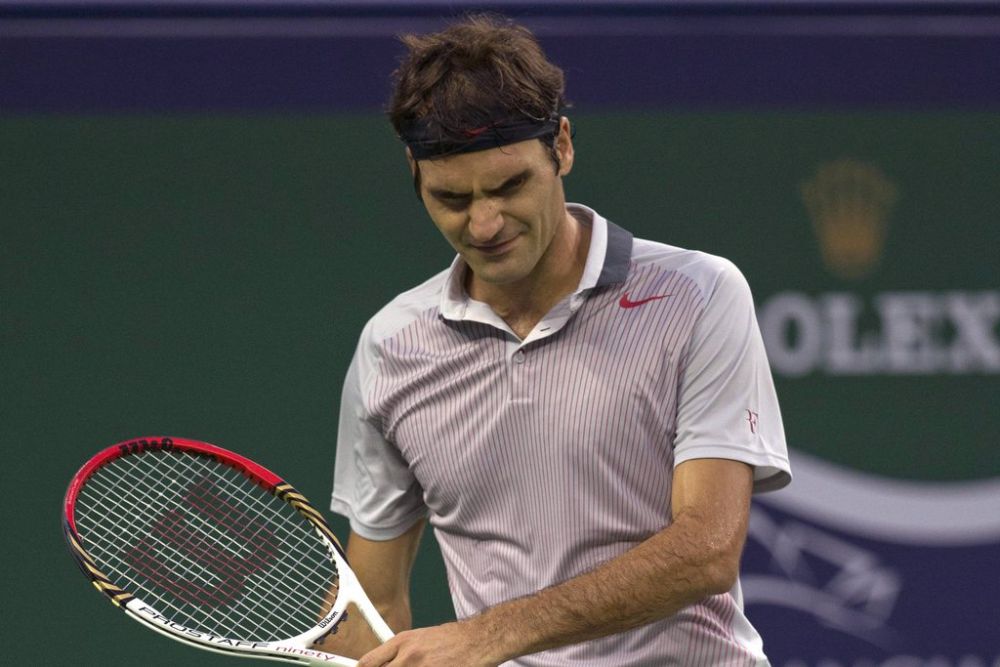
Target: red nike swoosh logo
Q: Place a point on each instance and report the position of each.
(628, 303)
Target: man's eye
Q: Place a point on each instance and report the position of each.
(455, 203)
(513, 185)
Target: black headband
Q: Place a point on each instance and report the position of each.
(425, 142)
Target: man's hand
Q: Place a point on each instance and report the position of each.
(457, 643)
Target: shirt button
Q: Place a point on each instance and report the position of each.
(519, 357)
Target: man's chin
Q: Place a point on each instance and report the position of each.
(495, 274)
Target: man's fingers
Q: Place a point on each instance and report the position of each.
(379, 656)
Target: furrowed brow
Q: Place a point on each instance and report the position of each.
(445, 194)
(511, 182)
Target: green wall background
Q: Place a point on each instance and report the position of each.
(207, 277)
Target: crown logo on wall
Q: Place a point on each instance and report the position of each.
(849, 202)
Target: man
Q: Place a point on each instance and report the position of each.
(581, 416)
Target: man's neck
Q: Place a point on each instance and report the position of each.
(522, 304)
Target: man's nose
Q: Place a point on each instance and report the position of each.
(485, 220)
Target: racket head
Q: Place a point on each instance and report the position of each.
(205, 545)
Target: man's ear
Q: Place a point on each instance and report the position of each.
(415, 172)
(564, 146)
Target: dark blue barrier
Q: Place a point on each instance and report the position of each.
(93, 57)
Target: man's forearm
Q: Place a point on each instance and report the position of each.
(696, 556)
(669, 571)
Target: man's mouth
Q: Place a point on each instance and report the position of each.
(496, 248)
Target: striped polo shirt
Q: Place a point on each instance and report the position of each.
(536, 459)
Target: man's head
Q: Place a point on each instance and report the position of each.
(478, 107)
(478, 84)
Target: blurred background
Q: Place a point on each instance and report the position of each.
(201, 204)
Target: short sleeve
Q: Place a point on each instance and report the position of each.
(727, 404)
(372, 484)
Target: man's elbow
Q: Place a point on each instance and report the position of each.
(723, 580)
(722, 571)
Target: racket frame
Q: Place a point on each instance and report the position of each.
(293, 649)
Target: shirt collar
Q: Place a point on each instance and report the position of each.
(610, 249)
(607, 262)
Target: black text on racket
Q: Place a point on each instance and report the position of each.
(212, 549)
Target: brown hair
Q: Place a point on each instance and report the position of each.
(482, 70)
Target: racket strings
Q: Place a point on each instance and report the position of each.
(198, 550)
(191, 546)
(205, 546)
(185, 577)
(193, 566)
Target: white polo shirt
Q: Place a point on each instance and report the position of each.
(537, 459)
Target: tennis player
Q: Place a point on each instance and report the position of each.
(580, 415)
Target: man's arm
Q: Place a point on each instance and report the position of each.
(696, 556)
(383, 568)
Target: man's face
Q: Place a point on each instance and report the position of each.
(499, 208)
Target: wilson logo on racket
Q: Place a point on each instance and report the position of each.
(258, 547)
(212, 549)
(139, 446)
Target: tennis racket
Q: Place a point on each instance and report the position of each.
(213, 550)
